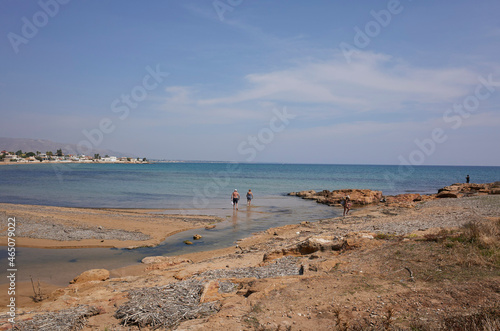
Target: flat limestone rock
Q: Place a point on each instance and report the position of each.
(91, 275)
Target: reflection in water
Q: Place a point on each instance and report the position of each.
(59, 266)
(234, 220)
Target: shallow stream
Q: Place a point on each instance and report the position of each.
(59, 266)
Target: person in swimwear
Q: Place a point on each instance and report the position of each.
(249, 197)
(235, 197)
(347, 205)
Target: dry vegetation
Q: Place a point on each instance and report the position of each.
(447, 280)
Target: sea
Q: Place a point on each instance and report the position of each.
(201, 188)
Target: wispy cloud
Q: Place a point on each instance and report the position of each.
(372, 81)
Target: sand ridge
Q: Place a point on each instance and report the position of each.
(63, 227)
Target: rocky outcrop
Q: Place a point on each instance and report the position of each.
(460, 190)
(91, 275)
(366, 197)
(358, 197)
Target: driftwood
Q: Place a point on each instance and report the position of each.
(64, 320)
(37, 295)
(411, 274)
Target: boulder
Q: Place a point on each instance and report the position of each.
(448, 194)
(321, 243)
(91, 275)
(197, 237)
(311, 245)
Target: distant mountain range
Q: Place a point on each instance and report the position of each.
(42, 145)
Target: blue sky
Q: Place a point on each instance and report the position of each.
(368, 82)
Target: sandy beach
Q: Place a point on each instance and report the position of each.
(386, 266)
(60, 227)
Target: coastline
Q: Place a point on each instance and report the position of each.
(76, 162)
(69, 227)
(373, 239)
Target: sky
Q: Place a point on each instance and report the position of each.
(288, 81)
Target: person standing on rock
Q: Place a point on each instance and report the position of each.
(467, 179)
(235, 197)
(347, 205)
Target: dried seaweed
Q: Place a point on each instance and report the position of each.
(286, 266)
(165, 306)
(64, 320)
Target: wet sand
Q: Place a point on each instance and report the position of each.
(61, 227)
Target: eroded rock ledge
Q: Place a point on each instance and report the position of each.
(368, 197)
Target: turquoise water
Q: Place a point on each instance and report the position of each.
(201, 185)
(197, 188)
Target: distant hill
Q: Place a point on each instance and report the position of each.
(42, 145)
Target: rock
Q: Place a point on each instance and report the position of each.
(165, 260)
(211, 292)
(358, 197)
(321, 243)
(166, 264)
(187, 242)
(91, 275)
(197, 237)
(210, 227)
(404, 199)
(183, 274)
(447, 194)
(311, 245)
(304, 194)
(153, 259)
(468, 189)
(366, 197)
(328, 265)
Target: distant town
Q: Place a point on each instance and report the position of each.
(59, 156)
